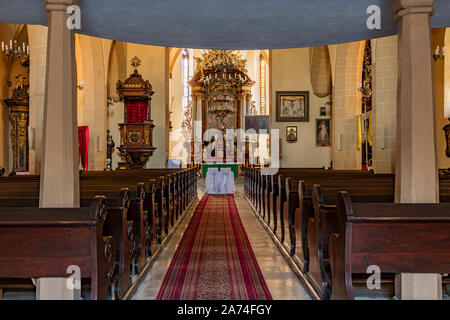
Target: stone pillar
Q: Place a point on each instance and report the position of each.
(416, 172)
(59, 169)
(55, 289)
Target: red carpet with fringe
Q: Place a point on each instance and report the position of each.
(214, 259)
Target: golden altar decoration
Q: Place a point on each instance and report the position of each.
(221, 92)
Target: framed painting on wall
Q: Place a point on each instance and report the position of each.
(292, 106)
(291, 134)
(323, 132)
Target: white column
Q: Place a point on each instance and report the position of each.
(59, 167)
(416, 172)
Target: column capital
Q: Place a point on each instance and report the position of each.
(405, 7)
(60, 5)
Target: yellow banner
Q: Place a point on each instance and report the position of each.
(359, 133)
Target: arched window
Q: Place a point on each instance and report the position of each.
(262, 84)
(187, 69)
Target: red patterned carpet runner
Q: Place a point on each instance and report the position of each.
(214, 259)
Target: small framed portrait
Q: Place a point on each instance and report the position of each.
(291, 134)
(292, 106)
(323, 111)
(323, 132)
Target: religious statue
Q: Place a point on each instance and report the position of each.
(23, 124)
(253, 111)
(447, 137)
(21, 89)
(109, 150)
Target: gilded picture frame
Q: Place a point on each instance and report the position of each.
(291, 134)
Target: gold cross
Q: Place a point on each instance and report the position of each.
(135, 62)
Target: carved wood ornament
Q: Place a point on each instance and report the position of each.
(136, 133)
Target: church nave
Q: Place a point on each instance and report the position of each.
(283, 284)
(250, 150)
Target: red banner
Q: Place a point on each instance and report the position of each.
(83, 146)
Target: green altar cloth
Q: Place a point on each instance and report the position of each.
(234, 167)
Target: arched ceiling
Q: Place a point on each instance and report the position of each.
(225, 24)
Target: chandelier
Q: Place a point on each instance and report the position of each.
(222, 68)
(15, 51)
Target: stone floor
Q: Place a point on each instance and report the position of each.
(282, 282)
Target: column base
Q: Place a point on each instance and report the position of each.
(412, 286)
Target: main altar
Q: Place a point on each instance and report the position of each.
(221, 98)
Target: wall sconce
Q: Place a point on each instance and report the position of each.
(109, 101)
(31, 140)
(340, 138)
(382, 138)
(81, 85)
(99, 144)
(437, 56)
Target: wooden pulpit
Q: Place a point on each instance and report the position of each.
(136, 133)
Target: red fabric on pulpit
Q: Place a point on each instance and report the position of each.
(83, 146)
(137, 111)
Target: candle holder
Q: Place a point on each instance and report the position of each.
(15, 51)
(437, 56)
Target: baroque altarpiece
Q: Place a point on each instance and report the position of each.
(221, 98)
(18, 116)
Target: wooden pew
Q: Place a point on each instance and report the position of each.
(116, 225)
(325, 222)
(132, 175)
(154, 201)
(298, 209)
(399, 238)
(265, 201)
(140, 212)
(287, 214)
(37, 243)
(121, 229)
(311, 175)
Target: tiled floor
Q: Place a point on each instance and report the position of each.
(282, 282)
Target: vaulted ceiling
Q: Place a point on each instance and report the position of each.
(225, 24)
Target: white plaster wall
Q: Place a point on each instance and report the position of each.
(290, 72)
(155, 68)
